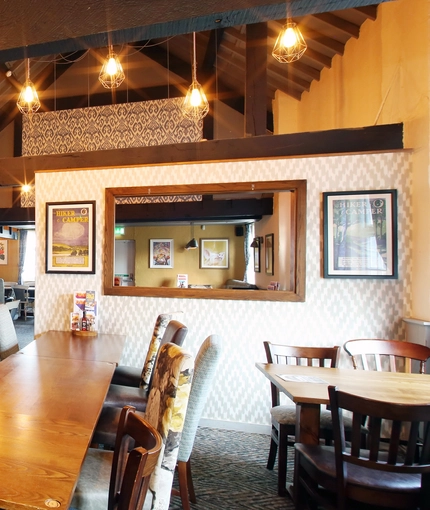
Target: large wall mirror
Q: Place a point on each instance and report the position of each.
(241, 241)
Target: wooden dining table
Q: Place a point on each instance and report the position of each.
(66, 344)
(51, 396)
(307, 387)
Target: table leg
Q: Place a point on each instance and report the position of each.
(307, 429)
(307, 423)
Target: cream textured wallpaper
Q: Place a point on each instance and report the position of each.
(335, 310)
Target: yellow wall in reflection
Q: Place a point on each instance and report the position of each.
(185, 261)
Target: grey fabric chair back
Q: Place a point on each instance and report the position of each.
(1, 291)
(204, 373)
(8, 338)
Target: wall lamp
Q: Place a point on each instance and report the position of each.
(257, 242)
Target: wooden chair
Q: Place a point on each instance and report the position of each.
(8, 338)
(283, 417)
(126, 486)
(371, 354)
(204, 373)
(140, 377)
(119, 396)
(346, 478)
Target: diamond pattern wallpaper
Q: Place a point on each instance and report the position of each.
(335, 310)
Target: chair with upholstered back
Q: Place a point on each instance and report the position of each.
(120, 479)
(283, 417)
(204, 373)
(8, 338)
(2, 296)
(352, 477)
(140, 377)
(166, 411)
(119, 396)
(387, 355)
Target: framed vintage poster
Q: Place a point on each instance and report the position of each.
(214, 253)
(70, 237)
(360, 234)
(3, 251)
(269, 254)
(161, 253)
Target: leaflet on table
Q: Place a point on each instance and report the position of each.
(84, 300)
(303, 378)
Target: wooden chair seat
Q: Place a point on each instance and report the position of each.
(283, 417)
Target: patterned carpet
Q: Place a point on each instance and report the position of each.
(229, 472)
(24, 331)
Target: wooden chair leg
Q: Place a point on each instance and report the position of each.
(183, 484)
(282, 460)
(272, 452)
(191, 491)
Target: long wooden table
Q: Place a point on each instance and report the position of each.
(64, 344)
(309, 396)
(51, 396)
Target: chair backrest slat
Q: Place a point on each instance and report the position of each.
(387, 352)
(404, 455)
(283, 354)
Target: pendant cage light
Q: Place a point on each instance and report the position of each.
(112, 74)
(195, 105)
(28, 100)
(290, 44)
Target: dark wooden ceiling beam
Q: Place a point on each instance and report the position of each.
(370, 11)
(256, 80)
(316, 38)
(337, 141)
(340, 24)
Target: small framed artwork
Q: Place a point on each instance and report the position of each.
(161, 253)
(269, 254)
(70, 238)
(214, 253)
(3, 251)
(360, 234)
(257, 258)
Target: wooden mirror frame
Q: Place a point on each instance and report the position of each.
(298, 244)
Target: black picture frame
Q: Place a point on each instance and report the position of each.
(70, 237)
(360, 234)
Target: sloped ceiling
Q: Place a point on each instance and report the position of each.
(66, 42)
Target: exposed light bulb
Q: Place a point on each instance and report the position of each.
(28, 94)
(289, 39)
(196, 98)
(111, 67)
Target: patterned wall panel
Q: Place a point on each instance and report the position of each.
(335, 310)
(108, 127)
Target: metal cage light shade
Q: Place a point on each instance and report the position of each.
(112, 74)
(290, 44)
(28, 100)
(195, 105)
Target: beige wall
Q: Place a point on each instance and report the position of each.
(382, 78)
(9, 271)
(335, 310)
